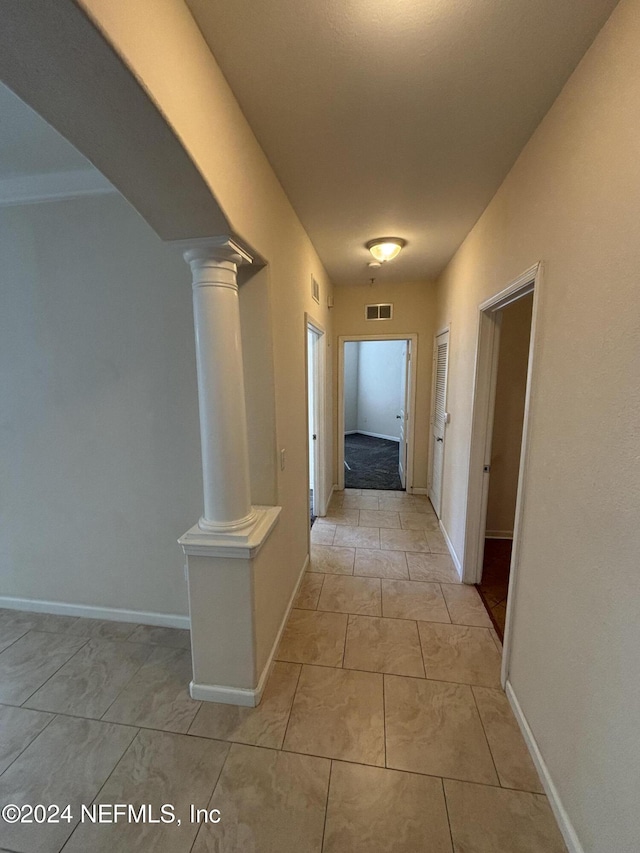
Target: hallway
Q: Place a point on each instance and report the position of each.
(383, 721)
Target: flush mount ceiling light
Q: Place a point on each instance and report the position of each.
(386, 248)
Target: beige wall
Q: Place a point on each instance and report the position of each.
(572, 200)
(177, 69)
(413, 313)
(515, 328)
(99, 458)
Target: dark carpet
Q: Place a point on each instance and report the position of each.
(372, 463)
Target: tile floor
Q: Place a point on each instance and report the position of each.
(383, 726)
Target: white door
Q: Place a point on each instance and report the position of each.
(314, 392)
(439, 419)
(404, 414)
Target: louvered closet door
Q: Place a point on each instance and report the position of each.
(441, 359)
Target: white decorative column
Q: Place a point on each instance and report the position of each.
(223, 418)
(221, 550)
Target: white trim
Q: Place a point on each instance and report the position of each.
(351, 431)
(417, 491)
(498, 534)
(378, 435)
(446, 330)
(564, 823)
(325, 508)
(481, 431)
(411, 394)
(242, 544)
(109, 614)
(248, 698)
(54, 186)
(310, 323)
(452, 550)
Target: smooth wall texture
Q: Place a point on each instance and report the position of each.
(513, 359)
(174, 64)
(100, 456)
(380, 387)
(572, 200)
(351, 359)
(413, 313)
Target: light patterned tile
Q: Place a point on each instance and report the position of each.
(465, 605)
(496, 639)
(342, 516)
(381, 564)
(99, 629)
(176, 638)
(309, 591)
(434, 728)
(31, 660)
(351, 595)
(322, 534)
(329, 559)
(67, 763)
(437, 568)
(89, 682)
(354, 491)
(361, 502)
(379, 518)
(395, 503)
(158, 768)
(31, 621)
(373, 810)
(263, 725)
(418, 521)
(413, 600)
(18, 727)
(510, 754)
(461, 654)
(314, 637)
(338, 713)
(437, 544)
(485, 820)
(269, 801)
(158, 697)
(403, 540)
(358, 537)
(383, 645)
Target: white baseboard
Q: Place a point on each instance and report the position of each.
(452, 550)
(416, 491)
(564, 823)
(350, 431)
(379, 435)
(246, 697)
(498, 534)
(110, 614)
(325, 509)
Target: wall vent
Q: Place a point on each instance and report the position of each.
(315, 290)
(382, 311)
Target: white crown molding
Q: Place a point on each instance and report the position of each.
(54, 186)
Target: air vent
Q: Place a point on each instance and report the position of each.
(383, 311)
(315, 289)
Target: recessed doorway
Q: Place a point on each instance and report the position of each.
(375, 418)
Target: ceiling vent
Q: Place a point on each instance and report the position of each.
(382, 311)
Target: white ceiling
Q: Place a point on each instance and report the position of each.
(30, 146)
(395, 119)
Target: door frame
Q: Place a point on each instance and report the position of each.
(432, 411)
(320, 401)
(410, 393)
(483, 407)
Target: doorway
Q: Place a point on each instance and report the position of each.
(375, 418)
(439, 418)
(315, 409)
(498, 456)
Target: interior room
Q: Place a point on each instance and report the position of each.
(187, 189)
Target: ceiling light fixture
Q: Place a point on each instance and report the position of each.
(386, 248)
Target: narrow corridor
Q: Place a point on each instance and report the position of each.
(383, 726)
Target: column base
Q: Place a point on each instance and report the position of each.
(220, 572)
(242, 543)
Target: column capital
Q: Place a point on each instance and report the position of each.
(203, 250)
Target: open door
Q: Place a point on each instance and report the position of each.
(315, 386)
(439, 418)
(404, 415)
